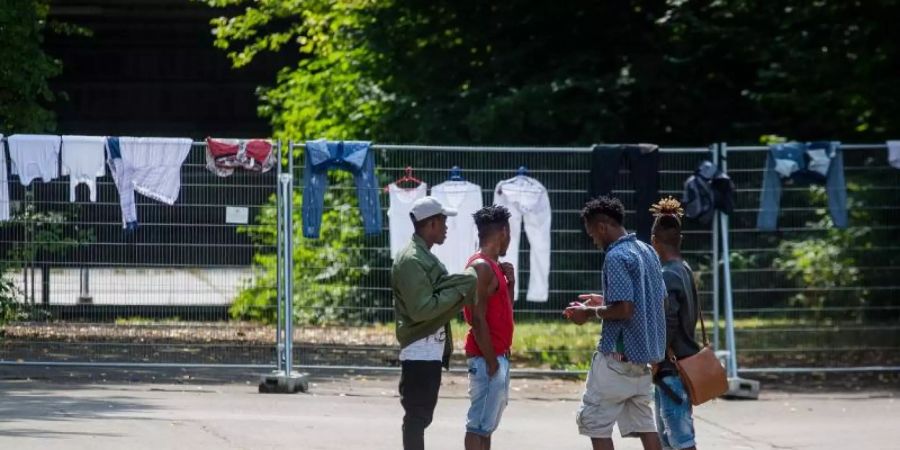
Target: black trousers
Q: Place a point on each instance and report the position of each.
(644, 167)
(420, 382)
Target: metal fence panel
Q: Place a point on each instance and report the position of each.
(808, 296)
(357, 330)
(87, 291)
(805, 297)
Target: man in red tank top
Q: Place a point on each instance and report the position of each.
(490, 328)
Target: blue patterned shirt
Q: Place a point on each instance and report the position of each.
(632, 273)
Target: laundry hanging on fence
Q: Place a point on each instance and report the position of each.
(225, 155)
(802, 164)
(34, 156)
(353, 156)
(643, 161)
(462, 235)
(83, 160)
(528, 202)
(4, 183)
(399, 223)
(706, 191)
(894, 153)
(150, 166)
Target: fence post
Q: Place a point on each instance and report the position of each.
(737, 387)
(279, 264)
(84, 291)
(714, 266)
(287, 193)
(286, 380)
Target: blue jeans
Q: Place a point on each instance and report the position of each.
(489, 395)
(352, 156)
(835, 187)
(675, 421)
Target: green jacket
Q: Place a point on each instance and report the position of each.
(426, 298)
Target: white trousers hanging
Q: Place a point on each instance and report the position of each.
(528, 204)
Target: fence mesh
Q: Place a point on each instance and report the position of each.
(355, 327)
(809, 295)
(191, 288)
(79, 288)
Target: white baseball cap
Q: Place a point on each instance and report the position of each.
(426, 207)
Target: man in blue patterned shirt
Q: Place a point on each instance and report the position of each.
(619, 385)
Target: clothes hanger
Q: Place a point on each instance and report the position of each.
(408, 177)
(522, 174)
(456, 174)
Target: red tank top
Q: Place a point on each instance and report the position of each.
(499, 314)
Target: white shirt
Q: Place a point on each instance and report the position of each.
(429, 348)
(462, 235)
(34, 156)
(83, 160)
(400, 225)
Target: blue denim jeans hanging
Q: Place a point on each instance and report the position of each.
(352, 156)
(835, 185)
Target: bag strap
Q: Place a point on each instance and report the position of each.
(699, 307)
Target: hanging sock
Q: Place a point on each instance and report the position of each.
(150, 166)
(83, 161)
(528, 203)
(4, 183)
(34, 156)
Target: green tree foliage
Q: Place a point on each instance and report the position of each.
(527, 72)
(25, 68)
(323, 95)
(325, 270)
(48, 235)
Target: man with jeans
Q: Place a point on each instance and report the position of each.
(674, 414)
(491, 333)
(426, 298)
(618, 388)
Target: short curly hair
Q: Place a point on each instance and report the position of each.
(491, 219)
(604, 205)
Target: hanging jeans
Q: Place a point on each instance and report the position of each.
(352, 156)
(835, 186)
(643, 162)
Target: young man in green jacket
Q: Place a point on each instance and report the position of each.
(426, 298)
